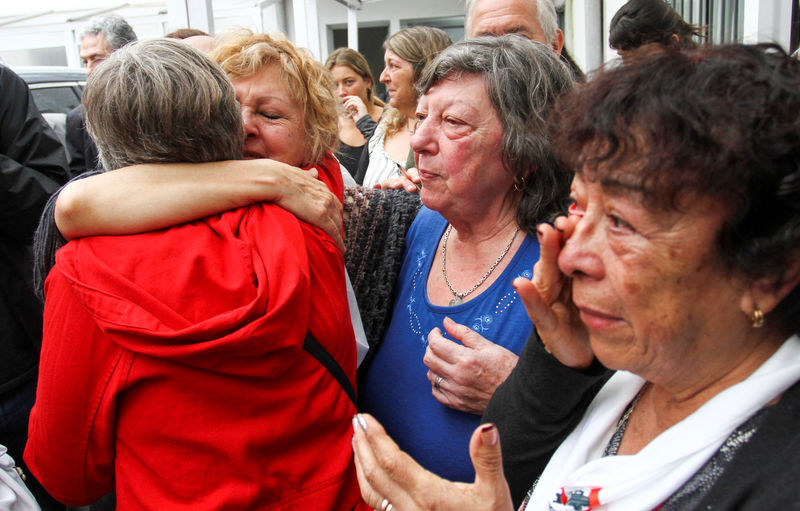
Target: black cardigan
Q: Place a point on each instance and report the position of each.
(763, 474)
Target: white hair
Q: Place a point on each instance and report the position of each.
(545, 11)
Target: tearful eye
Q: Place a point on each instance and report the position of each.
(573, 208)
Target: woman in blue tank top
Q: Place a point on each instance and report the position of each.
(487, 179)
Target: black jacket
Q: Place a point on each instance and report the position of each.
(32, 167)
(82, 151)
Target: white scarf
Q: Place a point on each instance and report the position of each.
(645, 480)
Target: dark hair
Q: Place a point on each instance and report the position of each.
(184, 33)
(523, 80)
(641, 22)
(714, 124)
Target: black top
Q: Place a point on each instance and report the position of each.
(32, 166)
(82, 151)
(348, 156)
(535, 409)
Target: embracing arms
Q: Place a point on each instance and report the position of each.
(147, 197)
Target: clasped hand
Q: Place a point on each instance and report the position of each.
(464, 376)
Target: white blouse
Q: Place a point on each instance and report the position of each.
(381, 165)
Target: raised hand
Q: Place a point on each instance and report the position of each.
(391, 480)
(547, 299)
(354, 107)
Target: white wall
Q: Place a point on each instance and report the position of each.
(586, 20)
(331, 12)
(768, 21)
(585, 31)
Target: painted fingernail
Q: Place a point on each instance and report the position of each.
(359, 421)
(489, 434)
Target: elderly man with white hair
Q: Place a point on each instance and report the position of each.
(533, 19)
(99, 38)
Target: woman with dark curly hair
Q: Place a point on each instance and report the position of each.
(678, 267)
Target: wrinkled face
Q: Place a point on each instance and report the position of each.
(94, 50)
(457, 147)
(350, 83)
(500, 17)
(398, 76)
(273, 121)
(649, 285)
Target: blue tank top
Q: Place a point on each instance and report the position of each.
(395, 388)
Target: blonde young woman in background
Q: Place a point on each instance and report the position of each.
(361, 108)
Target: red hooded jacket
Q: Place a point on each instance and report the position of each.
(173, 368)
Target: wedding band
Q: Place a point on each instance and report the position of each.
(386, 505)
(438, 382)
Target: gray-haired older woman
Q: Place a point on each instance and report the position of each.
(488, 178)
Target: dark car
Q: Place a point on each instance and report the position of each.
(56, 91)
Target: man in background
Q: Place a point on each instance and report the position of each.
(533, 19)
(99, 38)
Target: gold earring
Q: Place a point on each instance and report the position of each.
(757, 318)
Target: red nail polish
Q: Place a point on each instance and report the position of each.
(489, 434)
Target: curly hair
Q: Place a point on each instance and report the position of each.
(244, 54)
(712, 124)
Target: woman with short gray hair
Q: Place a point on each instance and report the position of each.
(137, 110)
(189, 367)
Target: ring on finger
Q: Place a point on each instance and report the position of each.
(438, 382)
(386, 505)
